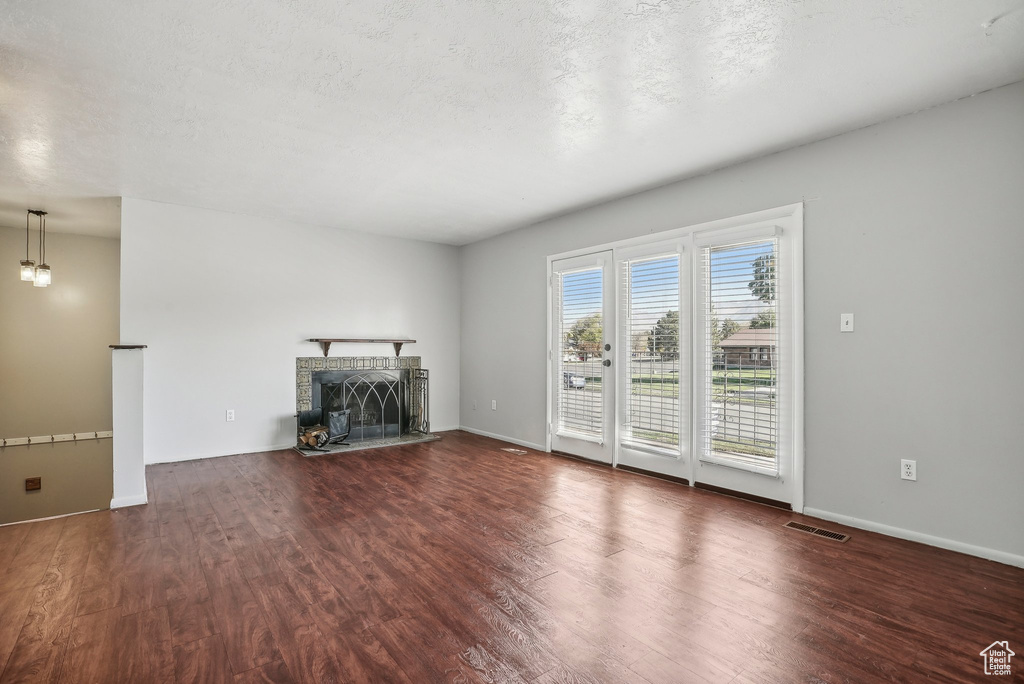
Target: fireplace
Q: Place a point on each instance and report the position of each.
(384, 399)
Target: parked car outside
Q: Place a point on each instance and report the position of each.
(573, 381)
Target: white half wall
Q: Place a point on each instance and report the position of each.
(225, 302)
(127, 374)
(915, 226)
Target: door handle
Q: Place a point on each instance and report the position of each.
(607, 347)
(607, 362)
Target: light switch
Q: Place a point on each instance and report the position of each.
(845, 322)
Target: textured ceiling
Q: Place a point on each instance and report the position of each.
(454, 120)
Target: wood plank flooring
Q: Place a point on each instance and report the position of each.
(456, 561)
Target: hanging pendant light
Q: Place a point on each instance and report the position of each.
(42, 270)
(28, 267)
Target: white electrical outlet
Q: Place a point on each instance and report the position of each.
(229, 415)
(494, 404)
(908, 470)
(845, 322)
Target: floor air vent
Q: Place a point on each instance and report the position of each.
(828, 534)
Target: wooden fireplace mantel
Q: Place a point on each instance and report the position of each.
(325, 342)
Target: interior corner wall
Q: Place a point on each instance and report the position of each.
(915, 225)
(225, 303)
(55, 374)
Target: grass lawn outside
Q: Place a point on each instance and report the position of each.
(729, 386)
(744, 447)
(656, 437)
(724, 383)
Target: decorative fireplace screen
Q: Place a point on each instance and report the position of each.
(386, 397)
(378, 402)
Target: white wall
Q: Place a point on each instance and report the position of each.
(915, 225)
(224, 302)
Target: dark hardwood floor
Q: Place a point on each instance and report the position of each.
(456, 561)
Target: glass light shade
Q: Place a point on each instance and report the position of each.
(42, 275)
(28, 270)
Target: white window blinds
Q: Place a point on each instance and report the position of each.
(579, 298)
(651, 348)
(740, 421)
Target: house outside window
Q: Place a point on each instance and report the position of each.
(747, 346)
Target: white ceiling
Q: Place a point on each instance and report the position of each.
(450, 121)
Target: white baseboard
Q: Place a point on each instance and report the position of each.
(910, 535)
(125, 501)
(503, 438)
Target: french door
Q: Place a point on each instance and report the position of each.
(583, 380)
(654, 372)
(681, 354)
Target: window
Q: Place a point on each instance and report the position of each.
(651, 332)
(581, 331)
(741, 414)
(700, 371)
